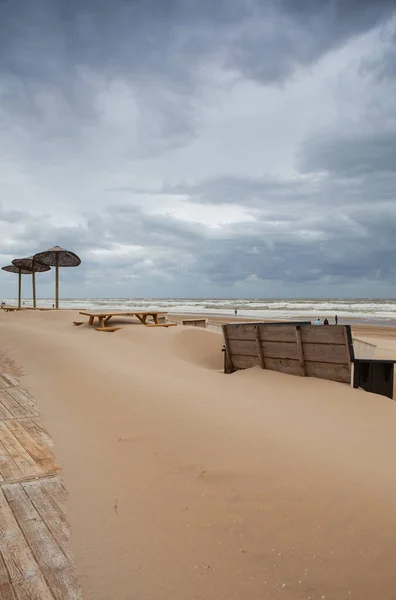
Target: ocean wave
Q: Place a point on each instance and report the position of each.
(274, 308)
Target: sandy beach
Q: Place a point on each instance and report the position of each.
(187, 483)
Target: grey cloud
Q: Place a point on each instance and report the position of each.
(353, 154)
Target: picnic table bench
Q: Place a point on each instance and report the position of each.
(105, 316)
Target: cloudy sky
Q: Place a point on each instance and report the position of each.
(229, 148)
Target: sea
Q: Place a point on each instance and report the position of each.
(370, 311)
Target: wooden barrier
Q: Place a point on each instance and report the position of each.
(195, 322)
(323, 351)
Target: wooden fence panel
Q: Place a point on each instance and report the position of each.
(314, 351)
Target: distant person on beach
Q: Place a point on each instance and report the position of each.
(336, 320)
(318, 322)
(325, 322)
(236, 311)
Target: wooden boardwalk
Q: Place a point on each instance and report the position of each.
(35, 557)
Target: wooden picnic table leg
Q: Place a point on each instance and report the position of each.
(107, 319)
(91, 320)
(155, 318)
(101, 322)
(141, 319)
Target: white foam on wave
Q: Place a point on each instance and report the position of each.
(261, 308)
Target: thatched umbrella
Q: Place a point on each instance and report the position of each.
(33, 266)
(58, 257)
(14, 269)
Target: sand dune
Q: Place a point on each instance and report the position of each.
(187, 483)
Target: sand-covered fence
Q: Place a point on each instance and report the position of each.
(325, 352)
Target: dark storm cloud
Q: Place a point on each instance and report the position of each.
(47, 40)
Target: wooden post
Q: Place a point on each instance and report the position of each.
(57, 281)
(300, 350)
(34, 284)
(228, 357)
(259, 347)
(19, 288)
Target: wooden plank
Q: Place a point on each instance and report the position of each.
(243, 347)
(108, 329)
(24, 400)
(327, 353)
(37, 431)
(349, 342)
(278, 333)
(283, 365)
(17, 452)
(5, 413)
(9, 469)
(6, 588)
(161, 324)
(300, 351)
(11, 380)
(244, 362)
(333, 372)
(54, 487)
(49, 511)
(281, 349)
(12, 405)
(39, 452)
(4, 381)
(260, 348)
(55, 566)
(270, 349)
(229, 362)
(240, 331)
(24, 573)
(323, 334)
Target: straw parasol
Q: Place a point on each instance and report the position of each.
(33, 266)
(14, 269)
(58, 257)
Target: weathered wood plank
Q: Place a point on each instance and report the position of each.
(278, 333)
(4, 412)
(12, 405)
(243, 347)
(300, 351)
(244, 362)
(17, 451)
(9, 470)
(260, 348)
(229, 361)
(283, 365)
(240, 331)
(50, 513)
(23, 399)
(37, 431)
(323, 334)
(10, 379)
(328, 353)
(195, 322)
(281, 349)
(54, 487)
(25, 576)
(333, 372)
(39, 452)
(55, 566)
(6, 589)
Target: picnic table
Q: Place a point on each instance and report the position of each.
(105, 316)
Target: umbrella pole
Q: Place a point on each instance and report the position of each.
(19, 288)
(34, 286)
(57, 282)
